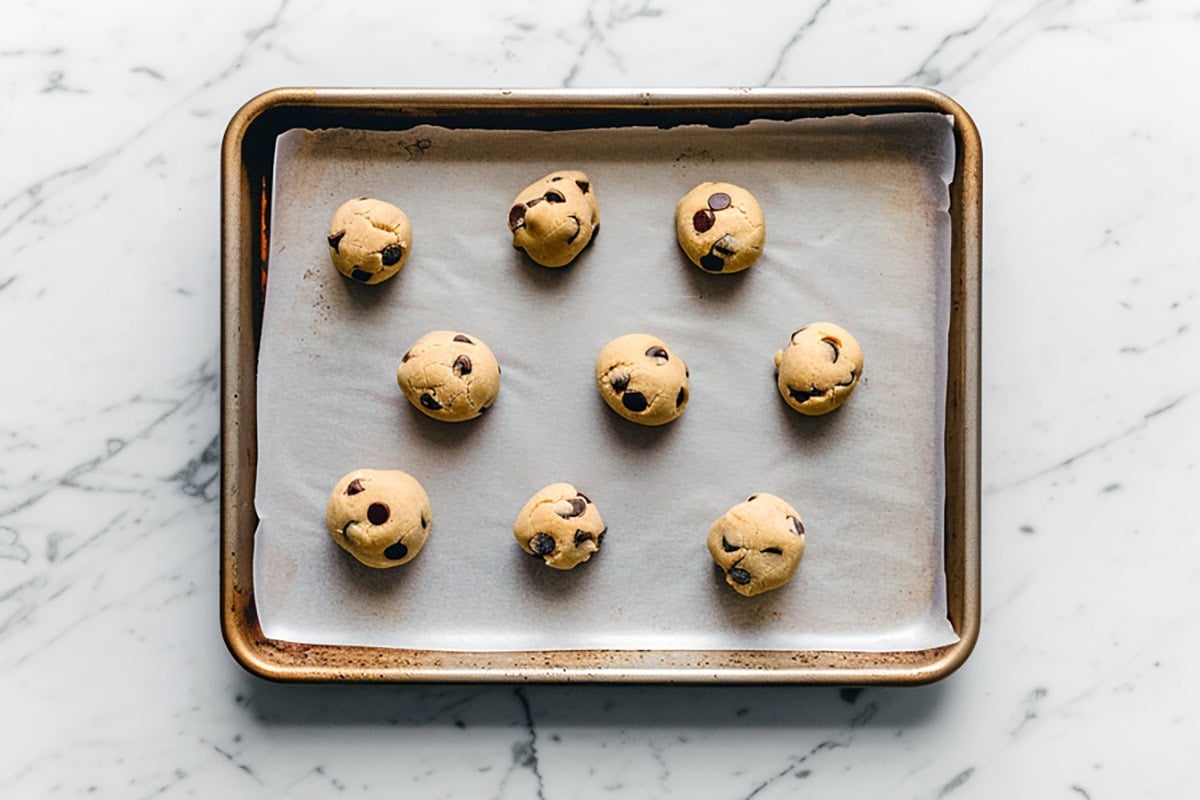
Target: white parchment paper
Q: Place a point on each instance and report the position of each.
(857, 233)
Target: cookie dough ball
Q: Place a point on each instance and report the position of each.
(449, 376)
(554, 219)
(819, 368)
(369, 240)
(757, 544)
(381, 517)
(560, 525)
(720, 227)
(642, 379)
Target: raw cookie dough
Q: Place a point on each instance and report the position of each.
(369, 240)
(720, 227)
(642, 379)
(757, 544)
(553, 219)
(559, 525)
(381, 517)
(819, 368)
(449, 376)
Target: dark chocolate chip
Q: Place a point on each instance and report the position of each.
(801, 397)
(424, 520)
(727, 547)
(407, 356)
(483, 410)
(581, 537)
(620, 383)
(679, 398)
(464, 339)
(578, 506)
(335, 241)
(703, 219)
(355, 487)
(712, 263)
(554, 196)
(752, 497)
(533, 202)
(600, 536)
(774, 550)
(516, 216)
(462, 366)
(584, 186)
(359, 274)
(378, 513)
(719, 200)
(739, 575)
(797, 525)
(634, 401)
(578, 229)
(658, 352)
(798, 330)
(850, 382)
(391, 254)
(586, 499)
(396, 551)
(542, 544)
(556, 178)
(430, 402)
(834, 345)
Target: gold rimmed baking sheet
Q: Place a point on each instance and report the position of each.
(244, 243)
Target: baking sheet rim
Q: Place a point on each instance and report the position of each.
(242, 211)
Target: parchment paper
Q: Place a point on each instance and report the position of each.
(857, 234)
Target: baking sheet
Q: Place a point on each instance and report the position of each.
(857, 233)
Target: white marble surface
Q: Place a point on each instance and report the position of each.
(114, 681)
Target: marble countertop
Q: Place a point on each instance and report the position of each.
(114, 680)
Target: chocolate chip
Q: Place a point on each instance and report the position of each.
(679, 398)
(658, 352)
(583, 186)
(462, 366)
(801, 397)
(542, 544)
(719, 200)
(463, 339)
(391, 254)
(581, 537)
(703, 219)
(752, 497)
(396, 551)
(516, 216)
(553, 196)
(424, 520)
(739, 575)
(798, 330)
(586, 499)
(712, 263)
(850, 381)
(407, 356)
(556, 178)
(773, 550)
(355, 487)
(359, 274)
(834, 345)
(483, 410)
(600, 536)
(378, 513)
(430, 402)
(634, 401)
(533, 202)
(335, 241)
(620, 383)
(578, 506)
(727, 547)
(797, 525)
